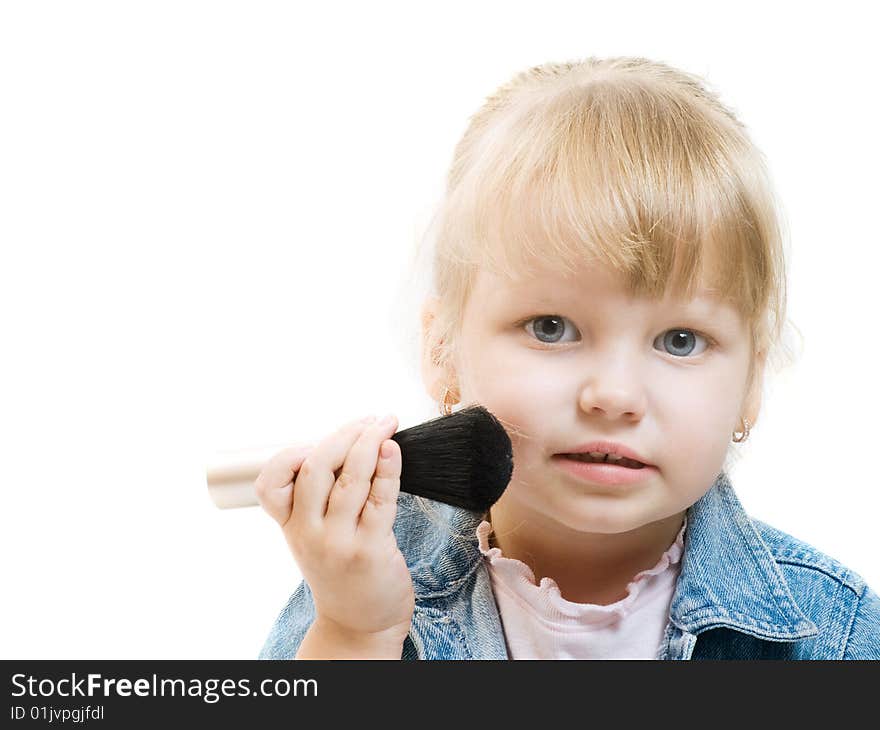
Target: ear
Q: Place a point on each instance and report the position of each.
(752, 401)
(436, 376)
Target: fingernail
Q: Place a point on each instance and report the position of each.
(368, 419)
(386, 421)
(385, 451)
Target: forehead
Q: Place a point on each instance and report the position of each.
(593, 291)
(588, 283)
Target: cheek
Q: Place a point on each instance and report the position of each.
(519, 394)
(518, 401)
(694, 423)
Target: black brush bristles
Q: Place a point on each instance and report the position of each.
(464, 459)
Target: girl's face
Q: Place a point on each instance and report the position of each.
(565, 361)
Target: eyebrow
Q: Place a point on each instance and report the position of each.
(538, 294)
(704, 303)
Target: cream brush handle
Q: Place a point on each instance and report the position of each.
(231, 475)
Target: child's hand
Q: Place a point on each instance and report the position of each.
(337, 516)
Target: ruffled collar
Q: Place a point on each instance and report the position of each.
(546, 599)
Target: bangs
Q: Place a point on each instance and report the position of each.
(625, 175)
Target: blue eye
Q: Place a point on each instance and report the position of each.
(681, 342)
(547, 328)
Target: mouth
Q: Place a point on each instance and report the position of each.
(603, 471)
(605, 459)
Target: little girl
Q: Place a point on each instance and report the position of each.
(608, 280)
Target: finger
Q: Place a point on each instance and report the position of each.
(380, 509)
(274, 483)
(353, 485)
(316, 474)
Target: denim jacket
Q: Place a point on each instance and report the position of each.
(745, 591)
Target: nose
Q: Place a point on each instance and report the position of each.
(614, 391)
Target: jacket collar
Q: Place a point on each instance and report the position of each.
(728, 575)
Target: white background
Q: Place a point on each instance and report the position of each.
(207, 213)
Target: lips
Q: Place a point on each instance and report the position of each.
(606, 459)
(604, 475)
(608, 452)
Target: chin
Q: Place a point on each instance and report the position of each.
(602, 520)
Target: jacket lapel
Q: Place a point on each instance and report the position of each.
(730, 578)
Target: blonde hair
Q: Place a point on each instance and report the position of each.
(624, 161)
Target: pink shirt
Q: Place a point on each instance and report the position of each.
(540, 624)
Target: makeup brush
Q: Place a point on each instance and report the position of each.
(464, 459)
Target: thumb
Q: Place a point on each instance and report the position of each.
(274, 484)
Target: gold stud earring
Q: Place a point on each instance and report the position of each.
(745, 432)
(445, 406)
